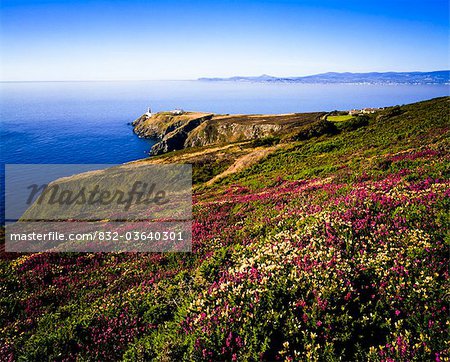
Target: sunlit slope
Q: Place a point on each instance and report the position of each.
(333, 245)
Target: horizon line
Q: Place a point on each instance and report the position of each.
(211, 77)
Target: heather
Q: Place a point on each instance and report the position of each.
(333, 247)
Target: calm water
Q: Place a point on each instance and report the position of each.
(87, 122)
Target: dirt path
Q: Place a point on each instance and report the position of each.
(245, 161)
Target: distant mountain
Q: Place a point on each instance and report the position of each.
(436, 77)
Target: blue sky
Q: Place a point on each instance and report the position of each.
(139, 40)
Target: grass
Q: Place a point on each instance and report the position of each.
(339, 118)
(333, 247)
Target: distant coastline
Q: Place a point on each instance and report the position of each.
(441, 77)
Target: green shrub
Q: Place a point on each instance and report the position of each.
(390, 112)
(266, 141)
(317, 129)
(355, 123)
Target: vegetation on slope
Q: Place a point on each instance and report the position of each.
(332, 247)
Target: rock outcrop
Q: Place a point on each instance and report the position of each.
(196, 129)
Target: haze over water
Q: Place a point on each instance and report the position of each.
(88, 122)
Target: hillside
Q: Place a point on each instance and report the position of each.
(323, 241)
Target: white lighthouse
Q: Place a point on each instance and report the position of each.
(149, 112)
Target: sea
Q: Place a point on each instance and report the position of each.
(89, 122)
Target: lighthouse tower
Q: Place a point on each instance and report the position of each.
(149, 112)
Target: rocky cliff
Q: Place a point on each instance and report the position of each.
(195, 129)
